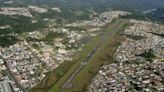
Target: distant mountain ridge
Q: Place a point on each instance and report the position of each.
(99, 4)
(157, 15)
(70, 8)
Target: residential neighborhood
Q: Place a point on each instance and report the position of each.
(138, 63)
(81, 46)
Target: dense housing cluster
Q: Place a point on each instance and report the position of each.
(139, 63)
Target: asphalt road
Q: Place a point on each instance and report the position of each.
(68, 83)
(12, 77)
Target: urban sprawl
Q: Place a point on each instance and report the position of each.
(139, 65)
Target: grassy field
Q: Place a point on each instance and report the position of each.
(54, 76)
(104, 55)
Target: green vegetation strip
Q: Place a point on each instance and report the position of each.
(56, 78)
(102, 56)
(66, 67)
